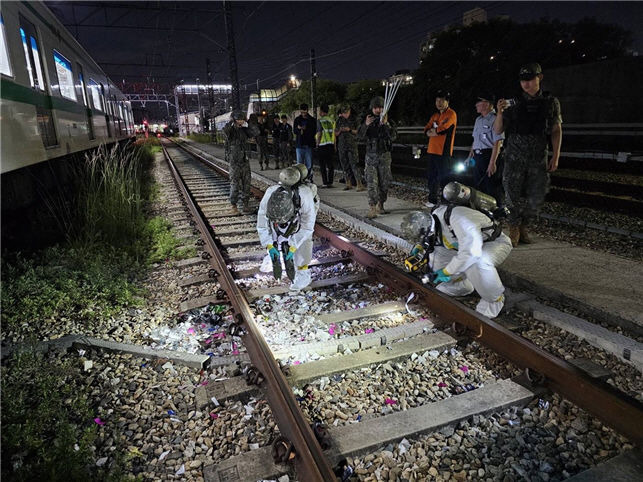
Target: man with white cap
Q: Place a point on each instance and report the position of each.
(285, 223)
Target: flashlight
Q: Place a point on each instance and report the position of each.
(459, 167)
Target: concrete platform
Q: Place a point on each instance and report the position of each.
(597, 284)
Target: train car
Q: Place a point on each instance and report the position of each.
(54, 98)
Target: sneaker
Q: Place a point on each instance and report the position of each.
(429, 204)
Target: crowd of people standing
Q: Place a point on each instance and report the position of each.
(508, 154)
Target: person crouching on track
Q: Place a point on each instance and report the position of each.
(237, 145)
(285, 223)
(461, 245)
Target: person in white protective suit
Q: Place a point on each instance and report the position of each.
(285, 223)
(467, 246)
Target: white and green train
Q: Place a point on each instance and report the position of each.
(54, 98)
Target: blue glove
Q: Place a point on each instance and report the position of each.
(441, 276)
(273, 252)
(416, 249)
(290, 253)
(470, 162)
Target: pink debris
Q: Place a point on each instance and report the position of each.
(464, 368)
(442, 384)
(208, 341)
(390, 401)
(235, 352)
(202, 325)
(203, 383)
(303, 338)
(331, 330)
(191, 331)
(214, 415)
(369, 330)
(99, 421)
(296, 362)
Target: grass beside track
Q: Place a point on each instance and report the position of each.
(110, 242)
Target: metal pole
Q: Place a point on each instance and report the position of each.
(178, 112)
(259, 91)
(198, 99)
(313, 83)
(232, 56)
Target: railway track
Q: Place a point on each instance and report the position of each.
(361, 326)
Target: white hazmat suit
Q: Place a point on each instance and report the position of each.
(301, 239)
(470, 259)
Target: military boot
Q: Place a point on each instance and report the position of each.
(372, 213)
(514, 235)
(524, 235)
(380, 208)
(234, 211)
(348, 186)
(261, 166)
(360, 186)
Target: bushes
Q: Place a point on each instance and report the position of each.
(202, 138)
(48, 430)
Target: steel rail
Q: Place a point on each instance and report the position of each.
(613, 407)
(310, 462)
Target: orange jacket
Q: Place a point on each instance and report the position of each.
(446, 122)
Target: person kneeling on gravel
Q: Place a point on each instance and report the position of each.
(462, 244)
(285, 224)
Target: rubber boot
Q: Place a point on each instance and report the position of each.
(348, 186)
(524, 235)
(234, 211)
(372, 213)
(380, 208)
(514, 235)
(360, 186)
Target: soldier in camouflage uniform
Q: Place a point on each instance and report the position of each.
(262, 142)
(379, 136)
(345, 135)
(528, 122)
(237, 146)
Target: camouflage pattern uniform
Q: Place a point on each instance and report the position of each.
(237, 149)
(347, 149)
(528, 127)
(379, 142)
(262, 145)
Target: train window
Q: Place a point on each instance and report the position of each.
(27, 59)
(32, 54)
(94, 89)
(5, 65)
(81, 84)
(65, 76)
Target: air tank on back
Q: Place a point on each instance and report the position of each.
(458, 193)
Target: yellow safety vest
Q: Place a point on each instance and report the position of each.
(328, 131)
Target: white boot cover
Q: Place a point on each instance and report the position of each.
(302, 279)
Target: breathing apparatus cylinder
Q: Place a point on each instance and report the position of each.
(459, 194)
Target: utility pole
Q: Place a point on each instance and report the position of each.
(313, 83)
(232, 55)
(259, 93)
(208, 74)
(198, 99)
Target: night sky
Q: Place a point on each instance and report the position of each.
(165, 42)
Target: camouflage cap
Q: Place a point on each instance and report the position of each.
(529, 71)
(376, 101)
(238, 115)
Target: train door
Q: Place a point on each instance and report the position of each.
(117, 115)
(88, 112)
(34, 65)
(106, 110)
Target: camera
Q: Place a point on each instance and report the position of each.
(510, 103)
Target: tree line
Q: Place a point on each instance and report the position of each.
(482, 56)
